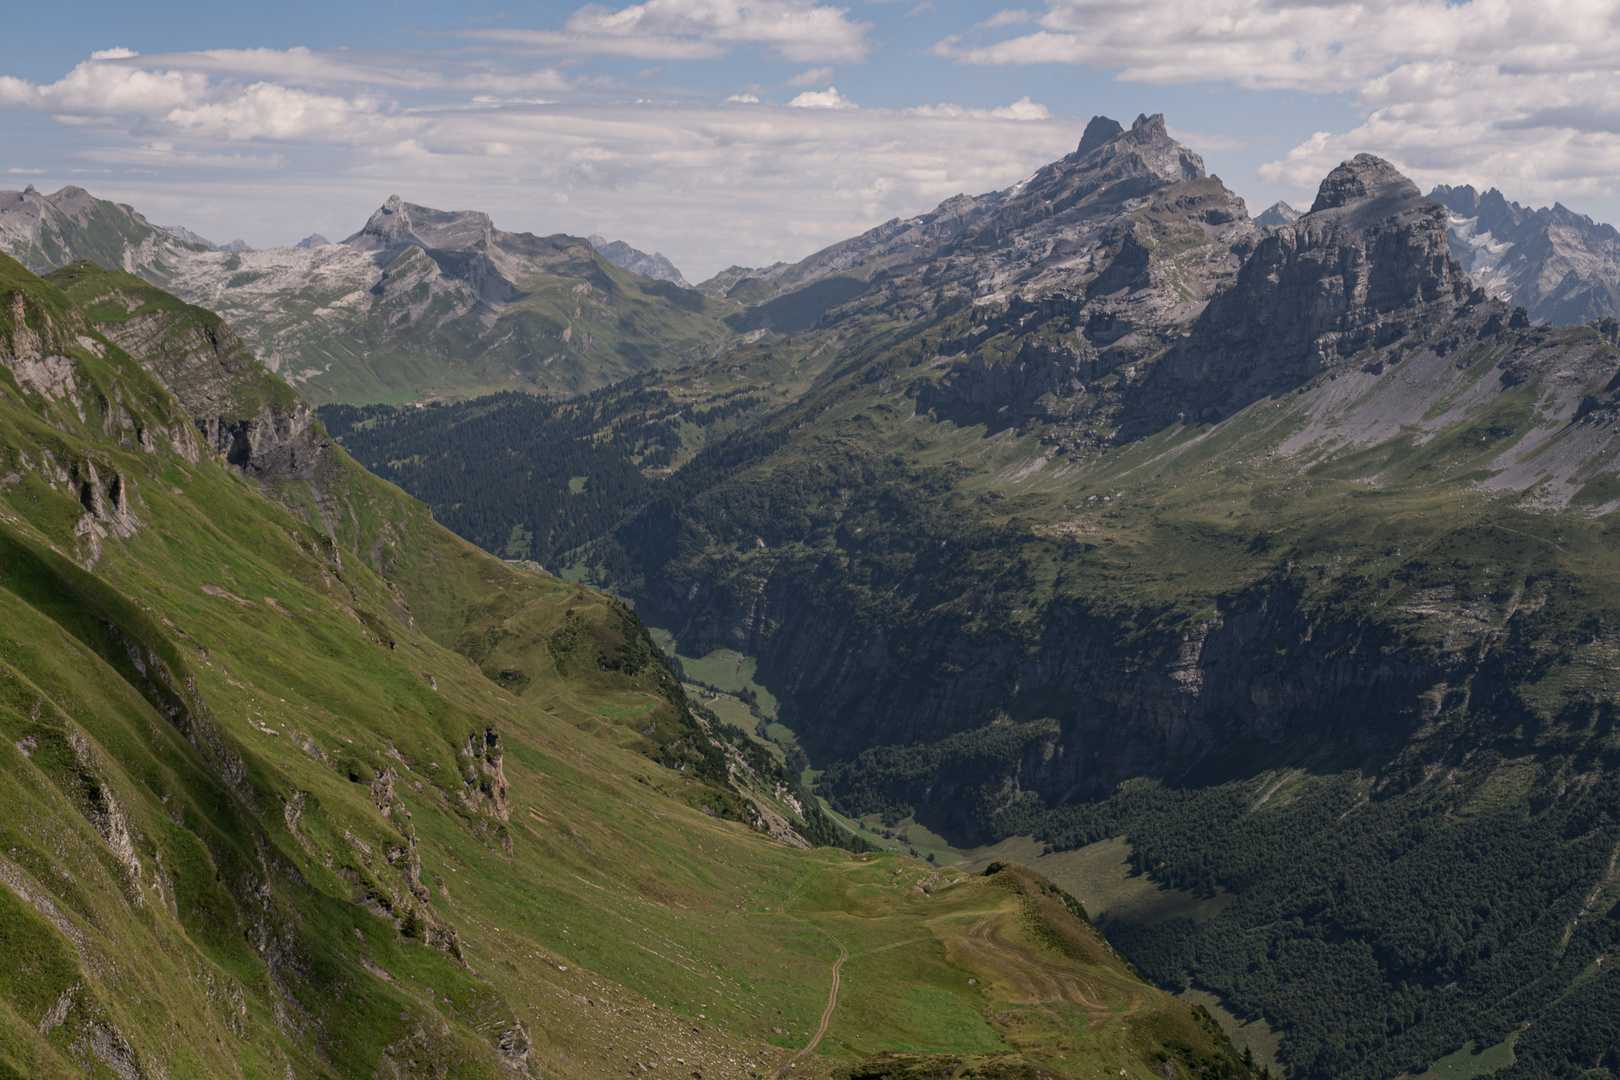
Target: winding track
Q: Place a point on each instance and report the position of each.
(826, 1014)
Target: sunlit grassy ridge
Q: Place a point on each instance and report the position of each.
(299, 784)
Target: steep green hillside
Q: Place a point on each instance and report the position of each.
(1286, 555)
(297, 784)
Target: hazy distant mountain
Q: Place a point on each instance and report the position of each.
(1562, 267)
(190, 237)
(1278, 213)
(46, 231)
(423, 301)
(419, 301)
(654, 266)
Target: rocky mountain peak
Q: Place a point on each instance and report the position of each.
(621, 254)
(398, 224)
(1145, 148)
(1100, 130)
(1148, 151)
(1368, 267)
(1365, 176)
(1278, 213)
(30, 190)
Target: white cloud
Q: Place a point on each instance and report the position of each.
(113, 54)
(331, 68)
(829, 98)
(15, 171)
(161, 154)
(798, 31)
(1006, 17)
(1498, 92)
(744, 99)
(1022, 109)
(811, 77)
(189, 102)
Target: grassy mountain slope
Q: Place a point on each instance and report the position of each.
(298, 784)
(1286, 555)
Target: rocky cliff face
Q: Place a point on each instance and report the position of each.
(1078, 278)
(1369, 265)
(240, 410)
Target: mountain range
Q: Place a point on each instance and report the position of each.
(1250, 580)
(1560, 266)
(489, 310)
(418, 302)
(1095, 522)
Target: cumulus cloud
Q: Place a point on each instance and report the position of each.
(335, 68)
(190, 102)
(829, 98)
(1022, 109)
(795, 30)
(1523, 96)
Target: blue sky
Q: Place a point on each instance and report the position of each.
(721, 131)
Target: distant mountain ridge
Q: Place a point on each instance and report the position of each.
(44, 232)
(418, 302)
(1278, 213)
(1560, 266)
(622, 254)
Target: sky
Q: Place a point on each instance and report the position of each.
(724, 132)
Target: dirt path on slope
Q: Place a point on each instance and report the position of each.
(826, 1014)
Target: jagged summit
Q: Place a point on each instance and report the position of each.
(1278, 213)
(1365, 176)
(1100, 130)
(621, 254)
(1561, 266)
(1367, 267)
(398, 224)
(1144, 149)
